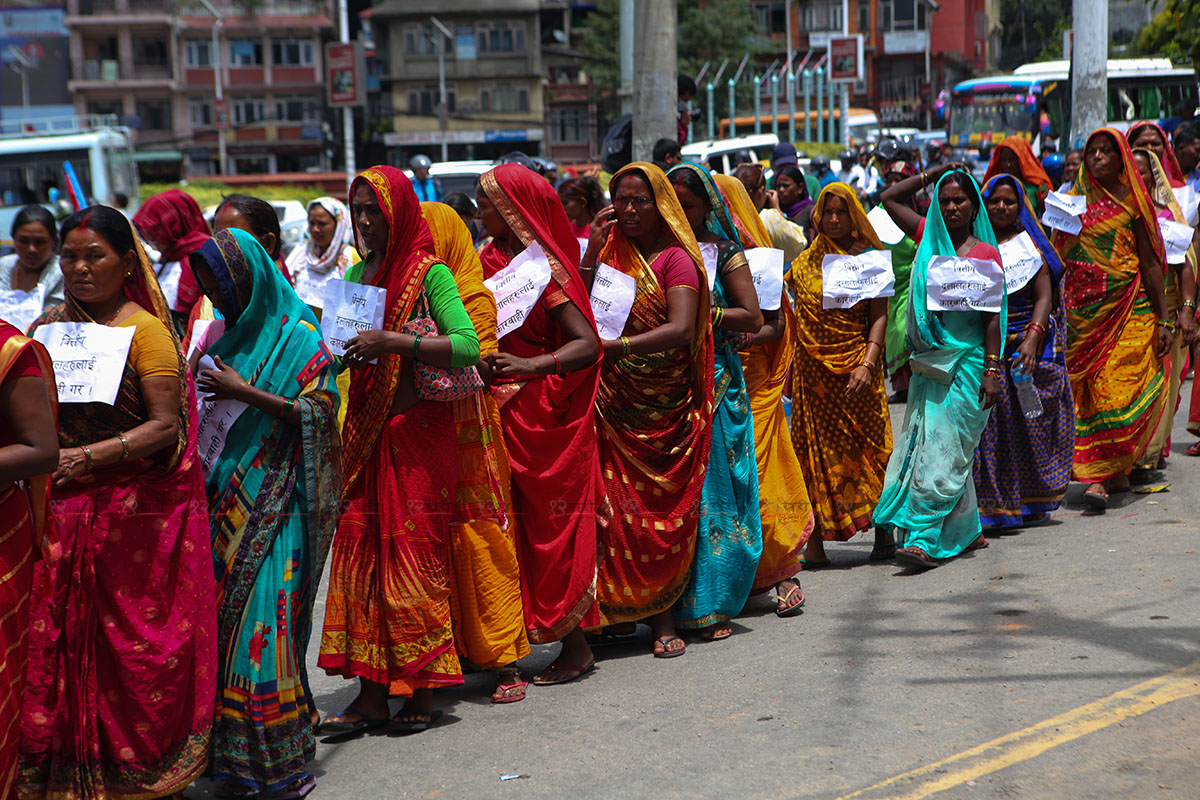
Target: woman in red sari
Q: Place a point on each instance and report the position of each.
(387, 616)
(655, 403)
(28, 453)
(1150, 136)
(172, 223)
(123, 654)
(545, 377)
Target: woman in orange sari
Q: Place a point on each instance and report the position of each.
(28, 454)
(787, 516)
(841, 428)
(655, 403)
(387, 616)
(1119, 328)
(544, 378)
(485, 596)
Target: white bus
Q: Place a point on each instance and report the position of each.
(32, 156)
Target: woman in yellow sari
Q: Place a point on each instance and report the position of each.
(485, 583)
(841, 429)
(1118, 325)
(787, 517)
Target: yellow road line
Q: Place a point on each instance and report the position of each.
(1036, 739)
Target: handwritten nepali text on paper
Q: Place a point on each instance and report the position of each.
(766, 268)
(89, 359)
(1022, 260)
(20, 308)
(215, 419)
(962, 284)
(847, 280)
(517, 288)
(613, 293)
(351, 308)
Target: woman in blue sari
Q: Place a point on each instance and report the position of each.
(273, 491)
(729, 541)
(929, 491)
(1023, 466)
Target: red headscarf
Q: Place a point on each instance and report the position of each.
(172, 222)
(401, 270)
(531, 207)
(1032, 171)
(1169, 161)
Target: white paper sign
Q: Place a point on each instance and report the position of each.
(583, 245)
(216, 418)
(1022, 260)
(1178, 238)
(310, 285)
(613, 293)
(1189, 203)
(517, 288)
(22, 308)
(959, 284)
(766, 267)
(168, 280)
(89, 359)
(709, 251)
(1061, 221)
(848, 280)
(349, 309)
(885, 227)
(1072, 204)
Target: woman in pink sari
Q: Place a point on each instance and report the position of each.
(122, 663)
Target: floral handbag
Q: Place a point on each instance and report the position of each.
(443, 384)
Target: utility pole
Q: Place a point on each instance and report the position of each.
(625, 57)
(655, 90)
(845, 87)
(1089, 69)
(790, 82)
(222, 151)
(443, 35)
(347, 112)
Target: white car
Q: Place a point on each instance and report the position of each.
(457, 176)
(288, 211)
(722, 155)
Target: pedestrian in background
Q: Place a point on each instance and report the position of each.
(427, 187)
(326, 250)
(33, 269)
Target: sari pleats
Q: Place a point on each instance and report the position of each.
(16, 581)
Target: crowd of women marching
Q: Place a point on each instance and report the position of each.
(475, 481)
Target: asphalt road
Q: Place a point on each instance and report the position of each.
(888, 671)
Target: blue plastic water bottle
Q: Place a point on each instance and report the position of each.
(1027, 393)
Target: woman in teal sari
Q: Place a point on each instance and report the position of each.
(929, 489)
(273, 491)
(729, 541)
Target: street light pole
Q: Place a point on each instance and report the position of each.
(217, 86)
(442, 122)
(347, 111)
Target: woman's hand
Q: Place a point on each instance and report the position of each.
(602, 223)
(1026, 357)
(72, 462)
(611, 348)
(773, 199)
(860, 379)
(368, 346)
(506, 365)
(989, 390)
(1186, 325)
(224, 383)
(1162, 341)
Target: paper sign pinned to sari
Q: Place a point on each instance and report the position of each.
(517, 288)
(1022, 260)
(613, 293)
(89, 359)
(847, 280)
(766, 268)
(958, 284)
(350, 309)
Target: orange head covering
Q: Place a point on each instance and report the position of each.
(1032, 172)
(745, 216)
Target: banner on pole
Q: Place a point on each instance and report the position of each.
(846, 58)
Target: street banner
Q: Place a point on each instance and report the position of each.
(345, 74)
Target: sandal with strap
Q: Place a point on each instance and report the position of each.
(510, 691)
(916, 556)
(665, 642)
(788, 604)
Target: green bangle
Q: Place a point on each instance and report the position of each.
(416, 346)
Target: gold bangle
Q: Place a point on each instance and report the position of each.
(124, 446)
(87, 452)
(626, 347)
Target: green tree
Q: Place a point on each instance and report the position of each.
(1032, 30)
(1174, 32)
(709, 30)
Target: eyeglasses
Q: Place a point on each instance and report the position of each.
(641, 203)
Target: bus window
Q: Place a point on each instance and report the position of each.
(28, 177)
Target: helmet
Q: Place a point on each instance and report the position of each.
(517, 157)
(1054, 164)
(848, 155)
(820, 163)
(933, 145)
(420, 162)
(889, 150)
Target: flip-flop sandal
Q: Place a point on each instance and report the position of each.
(979, 544)
(1035, 520)
(1194, 450)
(394, 725)
(1141, 477)
(806, 564)
(361, 725)
(509, 692)
(666, 642)
(568, 673)
(790, 609)
(307, 784)
(712, 634)
(916, 556)
(1095, 500)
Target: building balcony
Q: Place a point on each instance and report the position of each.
(106, 74)
(117, 13)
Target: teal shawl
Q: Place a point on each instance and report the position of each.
(729, 538)
(929, 490)
(273, 479)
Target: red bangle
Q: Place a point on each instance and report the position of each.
(1040, 329)
(557, 364)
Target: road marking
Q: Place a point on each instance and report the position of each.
(1036, 739)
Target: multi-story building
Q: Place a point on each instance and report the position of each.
(912, 49)
(151, 62)
(492, 68)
